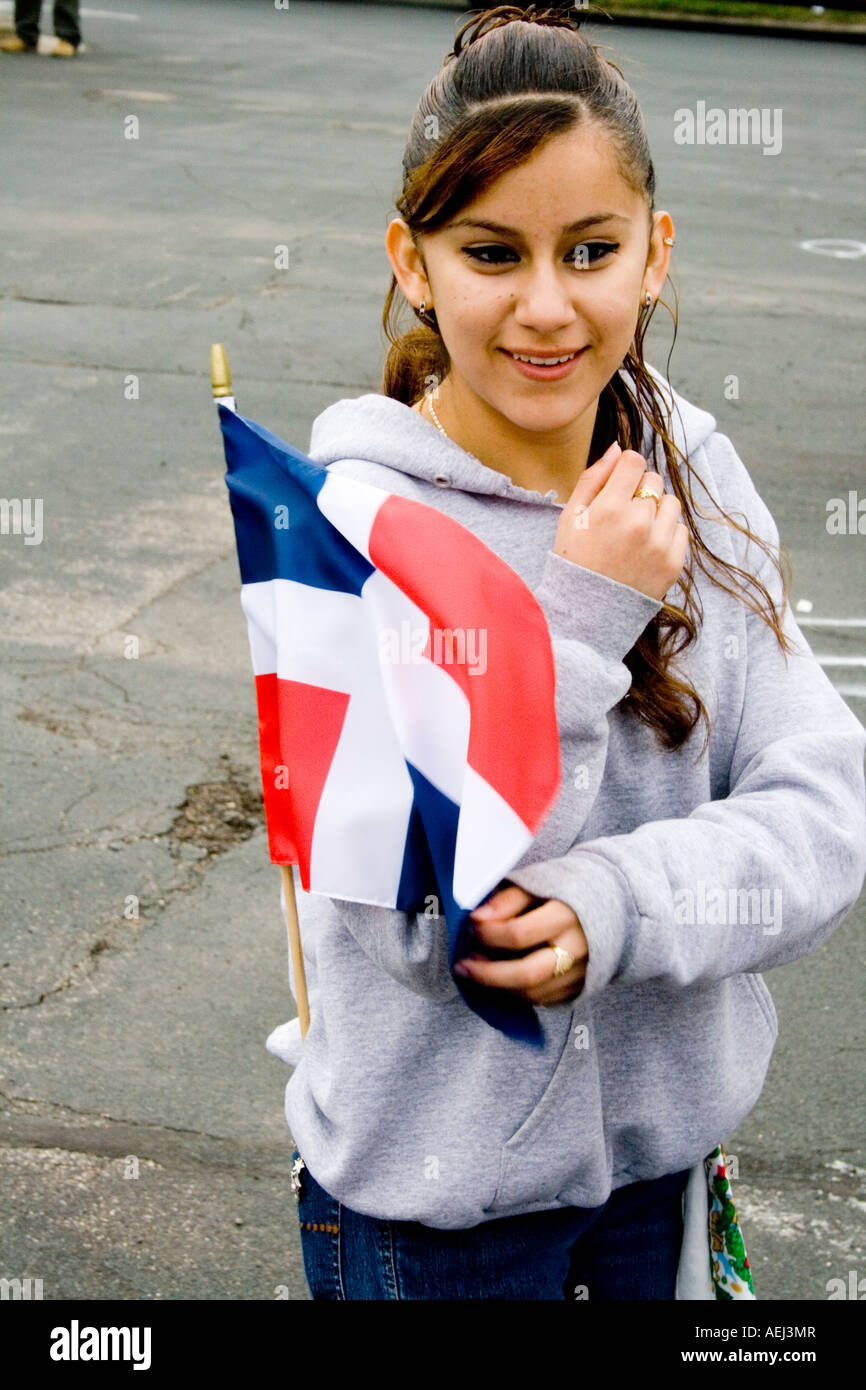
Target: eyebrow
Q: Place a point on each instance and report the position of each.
(579, 226)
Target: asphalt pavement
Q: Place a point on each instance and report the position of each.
(146, 185)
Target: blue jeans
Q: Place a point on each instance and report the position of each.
(628, 1248)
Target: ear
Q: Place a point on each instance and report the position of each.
(658, 255)
(407, 262)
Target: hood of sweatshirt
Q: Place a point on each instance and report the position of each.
(382, 430)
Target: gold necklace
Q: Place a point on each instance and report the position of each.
(429, 399)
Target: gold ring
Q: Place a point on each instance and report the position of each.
(564, 961)
(645, 491)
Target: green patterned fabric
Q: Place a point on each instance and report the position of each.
(729, 1263)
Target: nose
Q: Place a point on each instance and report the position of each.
(545, 300)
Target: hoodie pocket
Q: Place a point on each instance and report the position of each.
(765, 1000)
(560, 1136)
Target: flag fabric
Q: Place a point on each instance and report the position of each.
(405, 686)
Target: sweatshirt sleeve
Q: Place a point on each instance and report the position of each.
(753, 880)
(594, 622)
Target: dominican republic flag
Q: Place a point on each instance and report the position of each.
(406, 695)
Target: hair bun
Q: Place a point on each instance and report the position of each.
(498, 15)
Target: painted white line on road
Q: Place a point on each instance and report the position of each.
(841, 660)
(134, 95)
(839, 247)
(856, 692)
(6, 7)
(831, 622)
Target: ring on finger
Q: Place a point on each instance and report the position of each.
(564, 961)
(644, 491)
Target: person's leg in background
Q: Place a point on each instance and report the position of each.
(632, 1251)
(26, 37)
(27, 21)
(66, 22)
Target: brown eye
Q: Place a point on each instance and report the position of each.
(584, 251)
(479, 252)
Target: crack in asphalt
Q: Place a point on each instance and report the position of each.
(163, 593)
(100, 675)
(113, 304)
(80, 364)
(37, 1123)
(213, 817)
(101, 1115)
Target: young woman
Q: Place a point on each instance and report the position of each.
(441, 1158)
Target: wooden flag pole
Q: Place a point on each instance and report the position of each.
(221, 387)
(295, 948)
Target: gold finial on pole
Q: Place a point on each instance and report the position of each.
(220, 376)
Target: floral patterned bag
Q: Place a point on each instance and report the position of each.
(729, 1263)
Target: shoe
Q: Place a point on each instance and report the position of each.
(13, 44)
(62, 49)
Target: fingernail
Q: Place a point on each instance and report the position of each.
(484, 911)
(460, 969)
(613, 452)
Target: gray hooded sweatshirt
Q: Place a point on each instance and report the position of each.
(689, 874)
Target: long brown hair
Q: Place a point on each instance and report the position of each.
(514, 79)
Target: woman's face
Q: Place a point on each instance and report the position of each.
(543, 285)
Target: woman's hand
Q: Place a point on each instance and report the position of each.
(604, 527)
(504, 921)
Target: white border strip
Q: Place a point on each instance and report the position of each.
(7, 6)
(829, 622)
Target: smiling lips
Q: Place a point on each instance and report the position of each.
(545, 366)
(544, 359)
